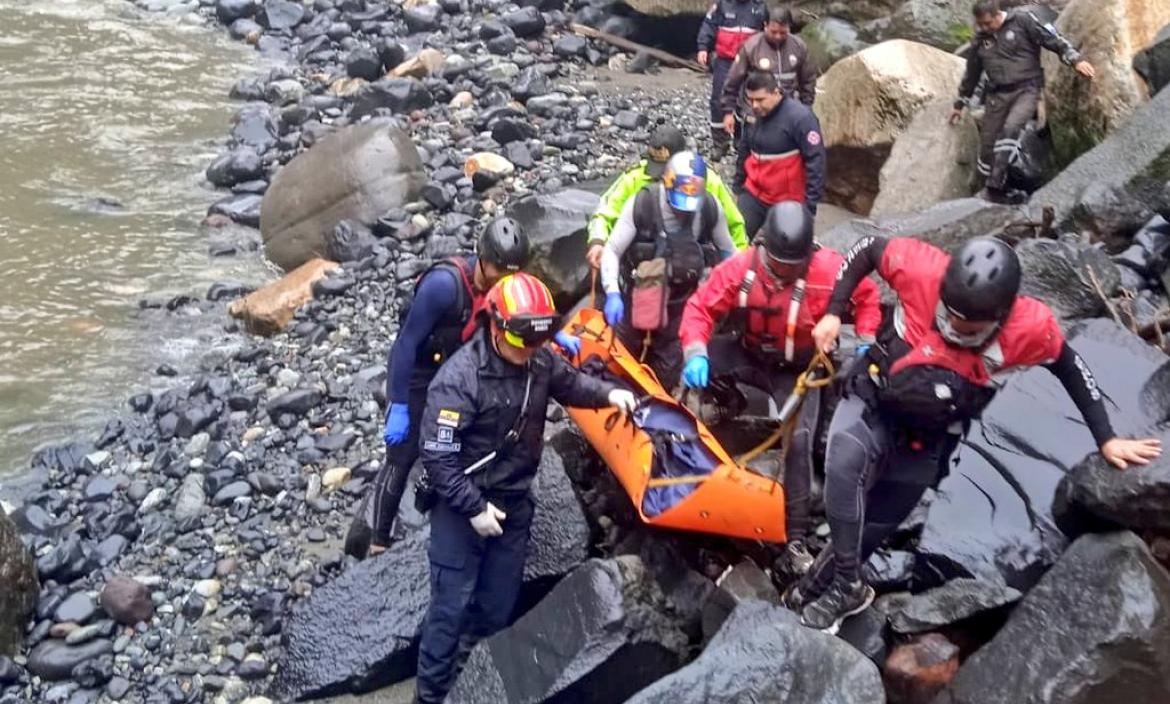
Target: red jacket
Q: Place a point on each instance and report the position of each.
(730, 23)
(786, 156)
(768, 305)
(914, 269)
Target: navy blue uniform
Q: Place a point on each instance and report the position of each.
(473, 403)
(727, 25)
(439, 319)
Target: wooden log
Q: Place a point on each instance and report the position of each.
(664, 57)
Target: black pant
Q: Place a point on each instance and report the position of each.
(1004, 118)
(719, 69)
(390, 483)
(875, 474)
(754, 212)
(730, 359)
(664, 355)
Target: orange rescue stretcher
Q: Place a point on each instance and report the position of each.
(719, 496)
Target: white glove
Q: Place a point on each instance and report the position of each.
(623, 400)
(487, 523)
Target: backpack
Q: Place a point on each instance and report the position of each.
(448, 335)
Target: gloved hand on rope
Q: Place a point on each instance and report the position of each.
(615, 309)
(697, 372)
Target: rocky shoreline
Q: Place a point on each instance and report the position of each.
(191, 552)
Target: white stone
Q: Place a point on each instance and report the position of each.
(153, 500)
(197, 445)
(288, 378)
(334, 478)
(208, 588)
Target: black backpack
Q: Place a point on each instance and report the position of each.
(447, 337)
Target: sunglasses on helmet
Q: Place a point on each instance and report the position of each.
(528, 331)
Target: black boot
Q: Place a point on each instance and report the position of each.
(357, 538)
(842, 600)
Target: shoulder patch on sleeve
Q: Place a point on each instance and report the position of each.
(448, 418)
(814, 137)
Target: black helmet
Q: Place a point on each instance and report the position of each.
(982, 280)
(788, 232)
(503, 244)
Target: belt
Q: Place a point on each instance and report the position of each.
(774, 157)
(1009, 87)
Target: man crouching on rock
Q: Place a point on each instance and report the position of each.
(481, 436)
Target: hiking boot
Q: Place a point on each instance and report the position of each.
(797, 559)
(794, 596)
(842, 600)
(357, 538)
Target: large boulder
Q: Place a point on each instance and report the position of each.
(669, 8)
(268, 310)
(1137, 498)
(930, 162)
(1097, 629)
(947, 225)
(829, 40)
(356, 173)
(1073, 278)
(18, 586)
(398, 95)
(1153, 62)
(955, 601)
(555, 223)
(763, 654)
(993, 517)
(945, 24)
(602, 634)
(360, 631)
(1135, 160)
(866, 101)
(1109, 33)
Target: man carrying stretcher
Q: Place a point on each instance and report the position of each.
(769, 298)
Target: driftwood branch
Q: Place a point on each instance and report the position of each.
(1101, 293)
(664, 57)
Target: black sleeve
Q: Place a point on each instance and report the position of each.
(709, 26)
(812, 150)
(970, 77)
(1046, 35)
(860, 261)
(574, 388)
(1078, 381)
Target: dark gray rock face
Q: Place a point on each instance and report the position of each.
(993, 516)
(54, 660)
(1136, 498)
(602, 634)
(398, 95)
(947, 225)
(1153, 62)
(1097, 629)
(18, 586)
(763, 654)
(360, 631)
(1134, 158)
(555, 224)
(1062, 275)
(955, 601)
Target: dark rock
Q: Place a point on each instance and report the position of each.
(569, 46)
(63, 458)
(889, 570)
(1133, 159)
(297, 402)
(229, 11)
(244, 27)
(100, 488)
(256, 126)
(18, 579)
(947, 225)
(361, 629)
(955, 601)
(762, 653)
(31, 519)
(993, 516)
(243, 208)
(423, 18)
(391, 54)
(193, 419)
(364, 63)
(251, 89)
(630, 120)
(1061, 274)
(525, 22)
(224, 290)
(1098, 625)
(127, 601)
(1136, 498)
(231, 492)
(867, 632)
(555, 223)
(918, 670)
(503, 45)
(109, 550)
(398, 95)
(350, 241)
(141, 403)
(54, 660)
(236, 166)
(519, 154)
(1153, 62)
(252, 669)
(10, 672)
(64, 563)
(512, 130)
(93, 673)
(600, 635)
(281, 14)
(78, 608)
(117, 688)
(334, 285)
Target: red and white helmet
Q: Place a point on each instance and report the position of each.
(522, 306)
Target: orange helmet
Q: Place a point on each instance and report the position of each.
(522, 306)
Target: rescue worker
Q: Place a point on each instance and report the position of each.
(727, 25)
(785, 152)
(482, 435)
(676, 221)
(958, 328)
(441, 317)
(775, 51)
(664, 143)
(771, 296)
(1006, 47)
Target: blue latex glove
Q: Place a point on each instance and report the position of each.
(615, 309)
(568, 343)
(697, 372)
(861, 350)
(397, 424)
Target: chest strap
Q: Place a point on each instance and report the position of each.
(745, 287)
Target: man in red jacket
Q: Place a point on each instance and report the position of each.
(774, 293)
(958, 329)
(786, 152)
